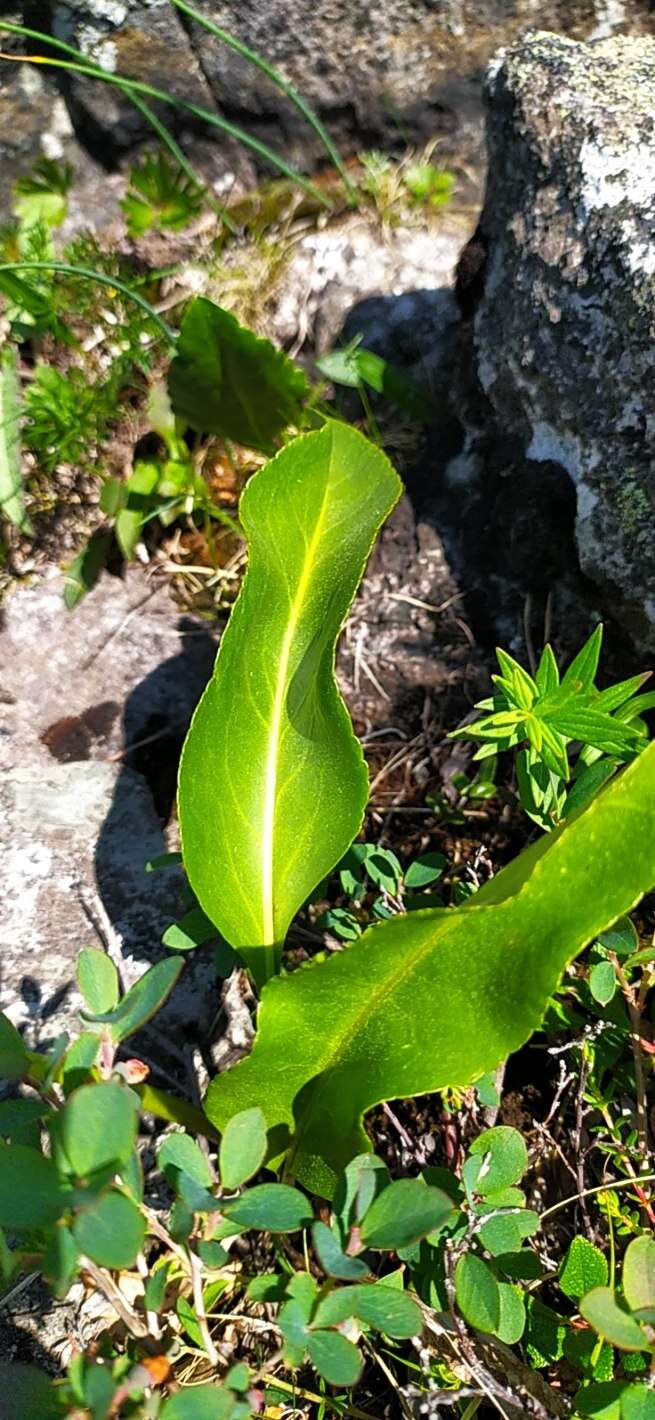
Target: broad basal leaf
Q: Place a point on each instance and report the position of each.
(225, 380)
(273, 783)
(11, 483)
(437, 998)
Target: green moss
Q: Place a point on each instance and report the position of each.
(633, 505)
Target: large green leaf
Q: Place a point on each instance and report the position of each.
(273, 782)
(436, 998)
(225, 380)
(12, 505)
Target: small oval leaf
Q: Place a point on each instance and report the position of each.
(271, 1207)
(477, 1293)
(243, 1148)
(111, 1233)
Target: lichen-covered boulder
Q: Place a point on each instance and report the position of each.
(563, 334)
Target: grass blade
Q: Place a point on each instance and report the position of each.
(280, 82)
(133, 86)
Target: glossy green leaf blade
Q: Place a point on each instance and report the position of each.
(437, 998)
(225, 380)
(12, 505)
(111, 1232)
(272, 781)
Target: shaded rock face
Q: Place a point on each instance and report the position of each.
(379, 72)
(562, 339)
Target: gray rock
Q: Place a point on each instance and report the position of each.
(74, 842)
(380, 71)
(563, 332)
(93, 683)
(145, 41)
(380, 68)
(34, 120)
(79, 819)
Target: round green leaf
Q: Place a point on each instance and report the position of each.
(584, 1268)
(180, 1154)
(639, 1273)
(243, 1148)
(512, 1314)
(198, 1402)
(31, 1195)
(112, 1232)
(638, 1403)
(404, 1213)
(477, 1293)
(97, 1127)
(602, 982)
(602, 1309)
(505, 1232)
(426, 869)
(14, 1059)
(496, 1159)
(273, 1207)
(621, 937)
(97, 979)
(336, 1359)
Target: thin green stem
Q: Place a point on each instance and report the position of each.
(613, 1186)
(281, 83)
(144, 109)
(87, 274)
(133, 86)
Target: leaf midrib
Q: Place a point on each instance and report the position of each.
(273, 754)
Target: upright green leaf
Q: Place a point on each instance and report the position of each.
(197, 1402)
(225, 380)
(142, 1000)
(243, 1148)
(273, 782)
(584, 1268)
(639, 1273)
(477, 1293)
(12, 504)
(97, 979)
(437, 998)
(582, 670)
